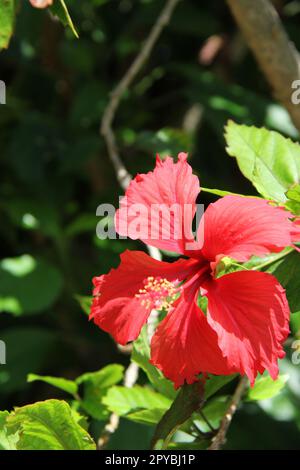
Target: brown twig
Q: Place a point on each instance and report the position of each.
(220, 438)
(124, 177)
(108, 116)
(275, 53)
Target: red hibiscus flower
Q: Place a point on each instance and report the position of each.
(247, 314)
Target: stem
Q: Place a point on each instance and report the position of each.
(77, 396)
(274, 259)
(109, 114)
(206, 421)
(189, 399)
(239, 266)
(69, 19)
(220, 437)
(222, 193)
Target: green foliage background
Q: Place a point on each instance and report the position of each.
(55, 172)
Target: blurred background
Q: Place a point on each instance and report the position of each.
(55, 171)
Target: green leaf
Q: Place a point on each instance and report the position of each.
(103, 378)
(80, 419)
(287, 271)
(293, 207)
(7, 441)
(7, 21)
(122, 400)
(48, 425)
(213, 412)
(141, 355)
(85, 302)
(266, 387)
(96, 385)
(281, 407)
(3, 416)
(28, 285)
(60, 10)
(151, 416)
(215, 409)
(215, 383)
(269, 160)
(295, 323)
(294, 193)
(188, 400)
(68, 386)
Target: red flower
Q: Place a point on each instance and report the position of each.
(247, 314)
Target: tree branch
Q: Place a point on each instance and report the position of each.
(220, 438)
(108, 116)
(270, 44)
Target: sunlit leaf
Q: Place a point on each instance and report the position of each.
(68, 386)
(123, 400)
(293, 193)
(48, 425)
(148, 416)
(7, 441)
(60, 10)
(266, 387)
(7, 21)
(269, 160)
(95, 386)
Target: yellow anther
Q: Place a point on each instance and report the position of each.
(157, 293)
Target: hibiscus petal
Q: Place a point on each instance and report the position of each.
(250, 314)
(184, 344)
(159, 207)
(125, 296)
(240, 227)
(296, 230)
